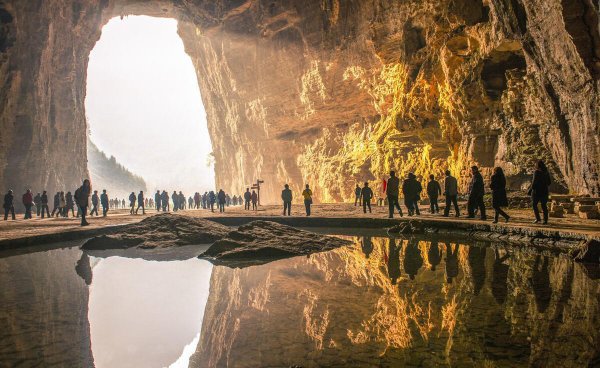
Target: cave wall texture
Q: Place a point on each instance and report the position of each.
(328, 92)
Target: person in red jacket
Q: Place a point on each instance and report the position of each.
(28, 203)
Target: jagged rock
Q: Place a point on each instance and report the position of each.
(263, 241)
(160, 231)
(589, 252)
(410, 227)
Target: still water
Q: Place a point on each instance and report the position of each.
(379, 303)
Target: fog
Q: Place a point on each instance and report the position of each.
(144, 106)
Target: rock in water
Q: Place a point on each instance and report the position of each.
(160, 231)
(261, 242)
(410, 227)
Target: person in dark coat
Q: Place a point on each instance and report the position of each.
(434, 255)
(366, 194)
(28, 203)
(476, 192)
(44, 202)
(357, 195)
(433, 191)
(539, 191)
(247, 198)
(451, 193)
(411, 188)
(499, 199)
(56, 205)
(8, 205)
(451, 261)
(95, 200)
(254, 199)
(392, 188)
(222, 200)
(413, 260)
(157, 200)
(212, 198)
(37, 200)
(104, 202)
(286, 197)
(82, 196)
(70, 204)
(141, 203)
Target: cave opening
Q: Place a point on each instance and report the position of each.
(147, 127)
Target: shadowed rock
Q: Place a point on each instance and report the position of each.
(160, 231)
(589, 252)
(261, 242)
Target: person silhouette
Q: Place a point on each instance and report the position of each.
(500, 277)
(451, 261)
(394, 260)
(392, 190)
(286, 197)
(413, 260)
(540, 282)
(366, 246)
(434, 255)
(476, 260)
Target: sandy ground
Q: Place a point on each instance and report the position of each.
(24, 228)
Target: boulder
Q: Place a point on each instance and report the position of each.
(160, 231)
(261, 242)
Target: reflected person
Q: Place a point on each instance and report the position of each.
(451, 261)
(413, 260)
(434, 255)
(394, 260)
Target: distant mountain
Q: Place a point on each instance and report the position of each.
(108, 173)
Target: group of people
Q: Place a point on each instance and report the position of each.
(412, 189)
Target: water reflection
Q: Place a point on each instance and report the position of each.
(383, 302)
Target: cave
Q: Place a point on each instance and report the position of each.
(287, 85)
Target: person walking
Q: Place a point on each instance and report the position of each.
(476, 192)
(499, 199)
(286, 197)
(212, 198)
(254, 199)
(28, 203)
(141, 203)
(357, 198)
(37, 201)
(197, 200)
(392, 189)
(247, 198)
(222, 200)
(451, 194)
(56, 205)
(411, 188)
(8, 205)
(205, 200)
(123, 203)
(433, 191)
(366, 194)
(95, 200)
(132, 203)
(539, 191)
(175, 199)
(62, 204)
(190, 203)
(82, 196)
(307, 194)
(104, 202)
(44, 202)
(164, 200)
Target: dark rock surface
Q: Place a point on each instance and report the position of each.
(589, 252)
(261, 242)
(160, 231)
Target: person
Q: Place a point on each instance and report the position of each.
(145, 202)
(123, 203)
(9, 205)
(131, 203)
(212, 198)
(56, 205)
(69, 204)
(286, 197)
(247, 197)
(366, 194)
(357, 195)
(190, 203)
(539, 191)
(451, 194)
(141, 203)
(307, 194)
(393, 261)
(476, 192)
(451, 260)
(95, 199)
(499, 199)
(222, 200)
(62, 205)
(433, 191)
(227, 200)
(44, 202)
(181, 200)
(411, 188)
(37, 201)
(434, 255)
(392, 188)
(104, 202)
(28, 203)
(164, 200)
(197, 200)
(82, 195)
(413, 260)
(254, 199)
(157, 200)
(205, 200)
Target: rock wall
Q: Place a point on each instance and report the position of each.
(329, 92)
(360, 307)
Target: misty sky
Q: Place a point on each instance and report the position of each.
(144, 107)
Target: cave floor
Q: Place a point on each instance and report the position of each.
(21, 229)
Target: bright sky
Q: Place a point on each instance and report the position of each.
(144, 107)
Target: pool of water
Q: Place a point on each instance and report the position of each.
(380, 303)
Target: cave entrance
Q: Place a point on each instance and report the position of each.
(143, 106)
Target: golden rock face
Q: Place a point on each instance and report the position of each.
(330, 92)
(360, 306)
